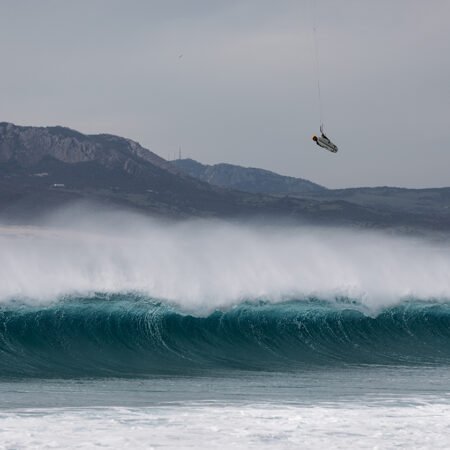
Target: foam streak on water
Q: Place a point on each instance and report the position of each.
(253, 427)
(370, 407)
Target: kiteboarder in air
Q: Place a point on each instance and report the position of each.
(324, 142)
(321, 141)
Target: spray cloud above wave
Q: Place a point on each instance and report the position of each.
(207, 264)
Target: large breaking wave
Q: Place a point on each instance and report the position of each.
(124, 335)
(122, 295)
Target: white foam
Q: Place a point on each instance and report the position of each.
(208, 264)
(229, 426)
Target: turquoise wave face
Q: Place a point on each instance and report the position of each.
(126, 335)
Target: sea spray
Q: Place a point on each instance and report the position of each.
(202, 265)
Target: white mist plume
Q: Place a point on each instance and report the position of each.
(209, 264)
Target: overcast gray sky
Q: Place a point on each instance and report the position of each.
(244, 90)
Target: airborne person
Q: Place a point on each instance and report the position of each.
(321, 141)
(324, 142)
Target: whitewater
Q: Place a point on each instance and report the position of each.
(203, 265)
(122, 331)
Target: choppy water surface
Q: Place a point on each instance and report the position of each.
(346, 407)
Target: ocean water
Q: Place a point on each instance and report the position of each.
(120, 333)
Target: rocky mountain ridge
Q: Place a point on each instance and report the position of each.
(248, 179)
(28, 145)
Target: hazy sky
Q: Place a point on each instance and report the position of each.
(244, 90)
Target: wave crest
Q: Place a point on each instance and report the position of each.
(130, 336)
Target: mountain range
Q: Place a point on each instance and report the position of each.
(248, 179)
(431, 201)
(42, 168)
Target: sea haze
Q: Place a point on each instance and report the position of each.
(124, 331)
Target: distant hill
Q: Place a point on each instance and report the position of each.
(42, 168)
(45, 167)
(248, 179)
(434, 202)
